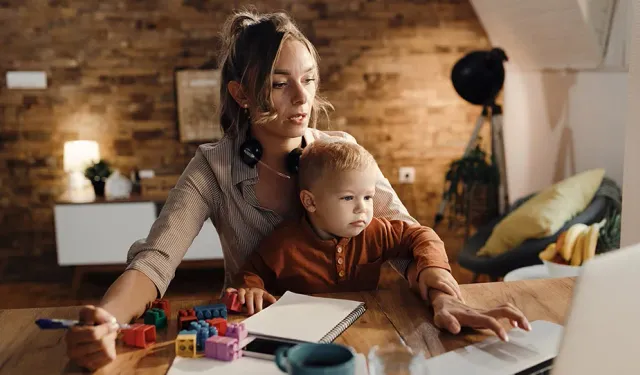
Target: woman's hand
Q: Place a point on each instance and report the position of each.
(440, 279)
(253, 298)
(93, 344)
(452, 314)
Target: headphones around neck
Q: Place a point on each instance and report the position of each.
(251, 153)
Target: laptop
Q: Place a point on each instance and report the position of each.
(598, 336)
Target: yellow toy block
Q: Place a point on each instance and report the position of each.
(186, 345)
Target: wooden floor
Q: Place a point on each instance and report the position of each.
(188, 283)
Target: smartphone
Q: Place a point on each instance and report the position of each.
(264, 348)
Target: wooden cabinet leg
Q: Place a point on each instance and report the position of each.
(78, 275)
(476, 278)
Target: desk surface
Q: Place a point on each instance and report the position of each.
(394, 315)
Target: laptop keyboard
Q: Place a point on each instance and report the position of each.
(543, 368)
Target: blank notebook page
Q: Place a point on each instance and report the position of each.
(300, 317)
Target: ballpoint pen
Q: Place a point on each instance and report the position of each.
(65, 323)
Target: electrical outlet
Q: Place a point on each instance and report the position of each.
(407, 175)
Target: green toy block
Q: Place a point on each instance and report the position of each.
(156, 317)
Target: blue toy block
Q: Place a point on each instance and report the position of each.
(203, 331)
(218, 310)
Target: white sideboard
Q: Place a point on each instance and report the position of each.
(101, 233)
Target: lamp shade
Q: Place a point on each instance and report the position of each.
(78, 155)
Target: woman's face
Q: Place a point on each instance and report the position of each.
(293, 90)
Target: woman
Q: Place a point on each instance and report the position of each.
(269, 107)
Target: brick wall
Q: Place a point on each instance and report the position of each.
(385, 66)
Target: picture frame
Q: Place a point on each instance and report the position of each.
(197, 102)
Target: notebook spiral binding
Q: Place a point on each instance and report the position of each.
(343, 325)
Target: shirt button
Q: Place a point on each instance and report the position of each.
(339, 249)
(340, 261)
(341, 273)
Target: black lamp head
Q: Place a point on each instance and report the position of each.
(478, 76)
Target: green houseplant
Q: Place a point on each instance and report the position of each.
(97, 173)
(471, 184)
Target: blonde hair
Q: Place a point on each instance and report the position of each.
(331, 156)
(251, 43)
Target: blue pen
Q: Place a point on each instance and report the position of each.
(65, 323)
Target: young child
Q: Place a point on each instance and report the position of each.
(337, 245)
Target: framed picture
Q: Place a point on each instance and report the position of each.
(198, 100)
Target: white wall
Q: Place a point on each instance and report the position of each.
(631, 185)
(558, 124)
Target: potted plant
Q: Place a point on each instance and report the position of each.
(471, 187)
(97, 173)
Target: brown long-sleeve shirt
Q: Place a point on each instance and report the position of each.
(218, 186)
(294, 258)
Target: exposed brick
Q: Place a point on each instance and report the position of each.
(147, 135)
(385, 66)
(123, 147)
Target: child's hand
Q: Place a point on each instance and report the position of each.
(253, 298)
(93, 344)
(451, 314)
(440, 279)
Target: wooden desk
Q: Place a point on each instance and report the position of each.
(394, 315)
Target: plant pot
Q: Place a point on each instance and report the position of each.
(98, 188)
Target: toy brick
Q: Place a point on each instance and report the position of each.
(139, 335)
(220, 324)
(222, 348)
(164, 305)
(203, 331)
(232, 301)
(218, 310)
(156, 317)
(185, 317)
(186, 344)
(237, 330)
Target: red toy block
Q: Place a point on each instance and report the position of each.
(220, 324)
(162, 304)
(185, 317)
(232, 301)
(140, 335)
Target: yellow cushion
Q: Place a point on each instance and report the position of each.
(545, 213)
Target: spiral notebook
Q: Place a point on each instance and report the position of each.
(303, 318)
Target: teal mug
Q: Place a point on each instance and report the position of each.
(316, 359)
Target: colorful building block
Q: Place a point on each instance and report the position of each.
(232, 301)
(218, 310)
(185, 317)
(203, 332)
(139, 335)
(220, 324)
(237, 331)
(164, 305)
(222, 348)
(186, 345)
(156, 317)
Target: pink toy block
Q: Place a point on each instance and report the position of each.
(220, 324)
(222, 348)
(232, 301)
(237, 330)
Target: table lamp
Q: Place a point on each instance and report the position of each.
(78, 155)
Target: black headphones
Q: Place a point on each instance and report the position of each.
(251, 153)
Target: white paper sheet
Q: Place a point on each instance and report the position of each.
(244, 365)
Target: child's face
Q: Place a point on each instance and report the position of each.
(343, 203)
